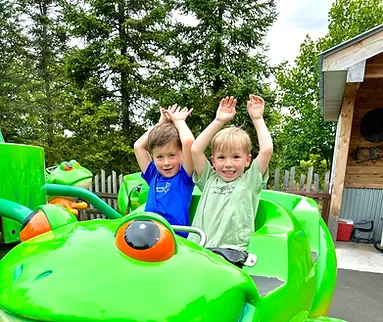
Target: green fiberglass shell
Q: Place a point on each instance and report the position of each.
(103, 270)
(77, 273)
(22, 170)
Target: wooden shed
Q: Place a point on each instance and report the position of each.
(351, 85)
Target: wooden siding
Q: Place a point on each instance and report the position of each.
(367, 174)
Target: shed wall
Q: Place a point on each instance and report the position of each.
(367, 174)
(360, 204)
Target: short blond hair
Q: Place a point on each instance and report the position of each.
(230, 139)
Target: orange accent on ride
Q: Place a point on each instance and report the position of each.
(162, 251)
(38, 225)
(68, 167)
(70, 205)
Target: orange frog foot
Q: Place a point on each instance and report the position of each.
(70, 205)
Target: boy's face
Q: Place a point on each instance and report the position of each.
(230, 165)
(167, 159)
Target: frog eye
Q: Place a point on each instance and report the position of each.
(145, 240)
(46, 218)
(35, 224)
(66, 166)
(74, 163)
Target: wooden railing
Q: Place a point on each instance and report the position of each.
(308, 185)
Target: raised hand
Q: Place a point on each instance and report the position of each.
(163, 117)
(175, 113)
(255, 106)
(226, 109)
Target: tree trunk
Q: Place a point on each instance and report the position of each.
(125, 97)
(45, 51)
(217, 83)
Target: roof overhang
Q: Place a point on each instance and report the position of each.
(345, 63)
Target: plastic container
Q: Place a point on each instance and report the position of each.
(345, 227)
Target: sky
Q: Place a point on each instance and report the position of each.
(296, 19)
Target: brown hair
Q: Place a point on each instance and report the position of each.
(163, 134)
(231, 138)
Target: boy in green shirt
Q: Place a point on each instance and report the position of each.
(230, 196)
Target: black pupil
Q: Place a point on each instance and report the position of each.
(142, 234)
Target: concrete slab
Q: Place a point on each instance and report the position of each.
(358, 296)
(359, 257)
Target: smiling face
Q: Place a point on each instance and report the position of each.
(231, 153)
(230, 165)
(167, 159)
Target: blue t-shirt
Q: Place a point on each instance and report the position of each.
(169, 197)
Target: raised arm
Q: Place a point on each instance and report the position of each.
(225, 113)
(141, 145)
(178, 117)
(255, 108)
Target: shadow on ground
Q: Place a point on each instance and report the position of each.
(358, 296)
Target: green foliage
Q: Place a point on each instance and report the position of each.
(304, 132)
(319, 165)
(13, 72)
(216, 49)
(92, 135)
(349, 18)
(90, 101)
(119, 52)
(112, 71)
(43, 85)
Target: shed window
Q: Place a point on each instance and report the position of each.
(371, 126)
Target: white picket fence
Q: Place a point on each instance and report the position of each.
(304, 184)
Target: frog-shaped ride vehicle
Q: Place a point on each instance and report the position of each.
(134, 268)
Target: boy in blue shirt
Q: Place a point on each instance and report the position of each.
(164, 156)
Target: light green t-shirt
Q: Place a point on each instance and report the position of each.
(227, 210)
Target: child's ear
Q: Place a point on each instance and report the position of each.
(212, 160)
(248, 160)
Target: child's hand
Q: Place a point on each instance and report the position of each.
(226, 109)
(255, 106)
(163, 117)
(174, 113)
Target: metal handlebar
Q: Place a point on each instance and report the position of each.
(194, 230)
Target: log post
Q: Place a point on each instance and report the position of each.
(346, 117)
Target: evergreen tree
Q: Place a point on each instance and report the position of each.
(45, 86)
(119, 53)
(13, 72)
(216, 48)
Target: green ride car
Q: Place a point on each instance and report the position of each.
(134, 268)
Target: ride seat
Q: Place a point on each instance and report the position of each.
(305, 210)
(266, 285)
(270, 243)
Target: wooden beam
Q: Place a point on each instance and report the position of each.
(355, 73)
(374, 71)
(348, 56)
(346, 117)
